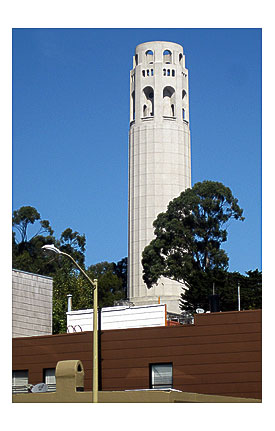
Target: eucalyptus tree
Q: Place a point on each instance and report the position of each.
(188, 238)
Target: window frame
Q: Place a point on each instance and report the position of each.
(151, 365)
(51, 386)
(16, 388)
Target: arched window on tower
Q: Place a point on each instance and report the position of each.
(148, 102)
(167, 56)
(149, 56)
(183, 113)
(180, 59)
(168, 102)
(184, 104)
(133, 107)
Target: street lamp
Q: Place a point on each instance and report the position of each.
(53, 249)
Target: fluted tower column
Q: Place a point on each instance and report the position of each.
(159, 156)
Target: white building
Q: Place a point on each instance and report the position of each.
(159, 156)
(118, 317)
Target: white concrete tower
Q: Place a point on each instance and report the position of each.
(159, 156)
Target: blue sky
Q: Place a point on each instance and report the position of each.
(71, 122)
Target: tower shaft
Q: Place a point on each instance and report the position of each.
(159, 156)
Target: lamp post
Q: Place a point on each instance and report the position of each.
(93, 283)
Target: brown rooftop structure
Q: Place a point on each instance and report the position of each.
(217, 356)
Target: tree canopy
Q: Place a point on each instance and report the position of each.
(26, 247)
(25, 216)
(188, 236)
(226, 286)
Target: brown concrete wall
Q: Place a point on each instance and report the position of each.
(220, 354)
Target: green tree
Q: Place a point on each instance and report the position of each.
(250, 291)
(200, 287)
(74, 244)
(121, 271)
(26, 216)
(26, 248)
(110, 284)
(226, 286)
(188, 238)
(68, 281)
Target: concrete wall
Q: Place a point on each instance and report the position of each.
(31, 304)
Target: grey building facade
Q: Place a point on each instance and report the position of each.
(31, 304)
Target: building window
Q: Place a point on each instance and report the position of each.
(167, 56)
(161, 376)
(184, 104)
(173, 73)
(20, 380)
(169, 102)
(49, 379)
(133, 107)
(164, 72)
(148, 102)
(149, 57)
(152, 72)
(143, 73)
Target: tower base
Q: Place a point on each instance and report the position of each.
(172, 302)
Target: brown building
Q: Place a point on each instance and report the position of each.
(220, 354)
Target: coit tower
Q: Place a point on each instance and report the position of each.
(159, 156)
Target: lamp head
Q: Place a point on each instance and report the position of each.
(51, 248)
